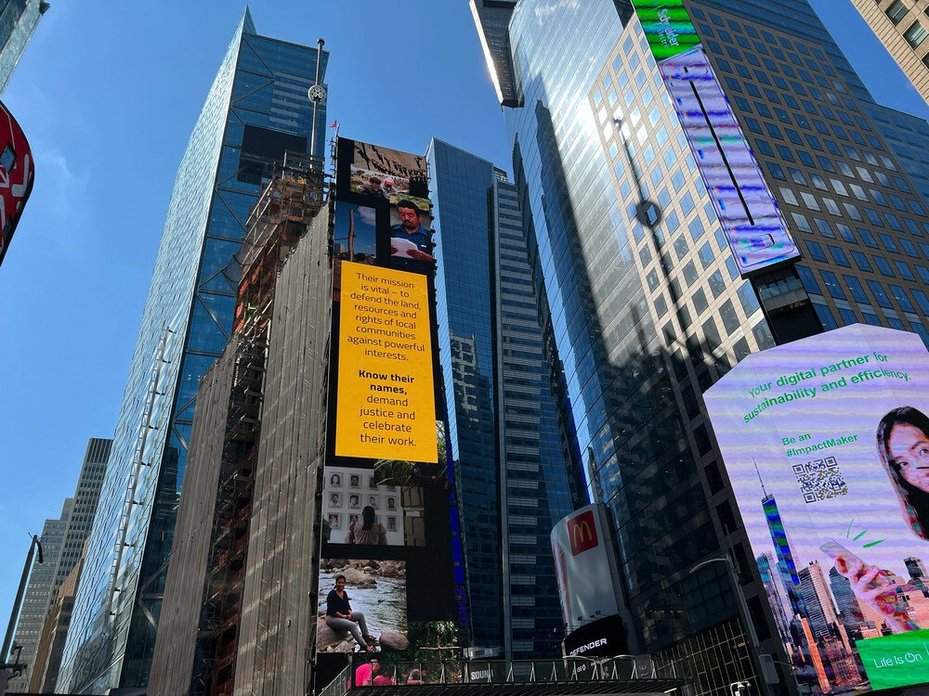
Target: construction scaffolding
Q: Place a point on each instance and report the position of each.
(275, 226)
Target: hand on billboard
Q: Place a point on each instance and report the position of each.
(876, 590)
(419, 255)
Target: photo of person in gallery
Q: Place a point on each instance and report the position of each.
(903, 449)
(340, 617)
(410, 239)
(369, 531)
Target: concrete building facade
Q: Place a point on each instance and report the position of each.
(902, 26)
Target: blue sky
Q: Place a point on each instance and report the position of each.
(107, 93)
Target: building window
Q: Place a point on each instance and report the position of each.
(921, 331)
(897, 11)
(879, 294)
(857, 289)
(915, 35)
(808, 280)
(921, 300)
(883, 266)
(861, 261)
(848, 316)
(901, 298)
(816, 251)
(825, 316)
(832, 285)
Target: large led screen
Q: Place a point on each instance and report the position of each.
(389, 584)
(748, 212)
(826, 443)
(386, 394)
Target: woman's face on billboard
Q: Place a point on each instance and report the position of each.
(909, 454)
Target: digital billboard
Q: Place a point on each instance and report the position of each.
(587, 583)
(388, 582)
(748, 212)
(386, 393)
(826, 443)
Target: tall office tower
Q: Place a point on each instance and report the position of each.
(86, 496)
(772, 585)
(849, 609)
(902, 26)
(44, 674)
(39, 597)
(643, 266)
(916, 567)
(786, 563)
(79, 521)
(818, 599)
(18, 20)
(503, 423)
(256, 110)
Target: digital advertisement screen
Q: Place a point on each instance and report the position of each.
(389, 584)
(748, 212)
(587, 583)
(826, 443)
(386, 393)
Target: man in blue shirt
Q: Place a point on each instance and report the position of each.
(409, 239)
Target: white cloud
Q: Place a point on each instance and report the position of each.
(544, 11)
(367, 215)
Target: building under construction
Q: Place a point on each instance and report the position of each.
(237, 611)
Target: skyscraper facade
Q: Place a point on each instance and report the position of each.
(41, 594)
(514, 471)
(902, 26)
(817, 598)
(83, 509)
(86, 495)
(256, 110)
(648, 304)
(18, 20)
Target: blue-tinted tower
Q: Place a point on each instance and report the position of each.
(257, 109)
(514, 466)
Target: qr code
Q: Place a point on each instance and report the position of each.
(820, 479)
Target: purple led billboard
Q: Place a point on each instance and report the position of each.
(748, 212)
(826, 443)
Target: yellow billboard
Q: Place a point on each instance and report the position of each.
(386, 397)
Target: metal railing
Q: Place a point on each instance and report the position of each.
(623, 668)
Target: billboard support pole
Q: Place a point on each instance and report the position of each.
(743, 612)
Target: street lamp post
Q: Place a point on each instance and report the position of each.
(743, 612)
(11, 669)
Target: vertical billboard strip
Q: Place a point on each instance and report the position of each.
(386, 585)
(748, 212)
(826, 443)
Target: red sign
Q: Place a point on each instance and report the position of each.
(16, 176)
(583, 533)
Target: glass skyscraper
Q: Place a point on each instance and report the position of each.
(647, 314)
(18, 20)
(513, 470)
(256, 110)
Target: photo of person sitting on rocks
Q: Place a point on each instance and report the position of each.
(362, 606)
